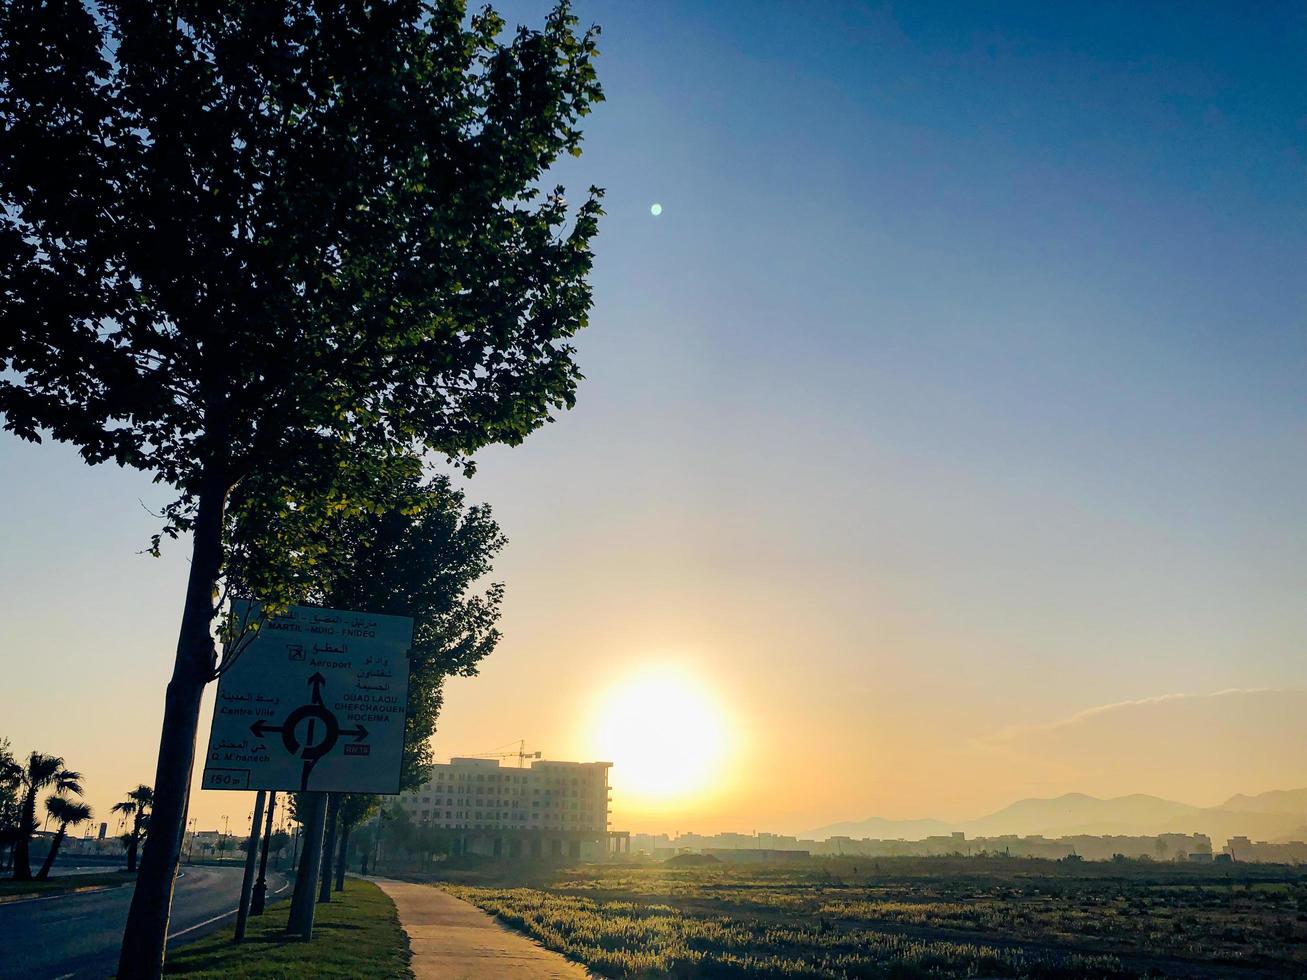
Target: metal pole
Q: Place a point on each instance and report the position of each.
(261, 885)
(247, 880)
(328, 846)
(303, 899)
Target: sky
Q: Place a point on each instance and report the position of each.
(951, 410)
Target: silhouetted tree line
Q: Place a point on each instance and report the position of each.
(22, 783)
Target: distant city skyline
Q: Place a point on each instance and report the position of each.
(945, 430)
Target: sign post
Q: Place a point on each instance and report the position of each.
(303, 896)
(251, 854)
(261, 883)
(314, 701)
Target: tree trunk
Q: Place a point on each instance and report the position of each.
(342, 856)
(329, 846)
(44, 873)
(133, 842)
(23, 846)
(146, 933)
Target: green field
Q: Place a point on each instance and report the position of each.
(911, 918)
(357, 934)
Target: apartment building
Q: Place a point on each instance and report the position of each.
(545, 808)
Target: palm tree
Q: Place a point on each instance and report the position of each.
(65, 812)
(40, 772)
(9, 773)
(137, 806)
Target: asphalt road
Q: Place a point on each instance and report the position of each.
(77, 936)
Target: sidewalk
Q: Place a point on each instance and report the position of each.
(453, 940)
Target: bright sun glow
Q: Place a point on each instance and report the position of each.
(663, 733)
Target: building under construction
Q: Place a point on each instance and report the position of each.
(543, 809)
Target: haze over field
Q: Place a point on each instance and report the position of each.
(1277, 815)
(943, 441)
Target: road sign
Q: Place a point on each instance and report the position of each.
(316, 701)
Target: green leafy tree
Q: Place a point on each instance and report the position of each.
(260, 251)
(425, 562)
(355, 808)
(65, 813)
(137, 807)
(422, 559)
(401, 832)
(429, 840)
(39, 773)
(363, 840)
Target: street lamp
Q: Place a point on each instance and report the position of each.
(261, 885)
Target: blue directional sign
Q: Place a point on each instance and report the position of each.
(315, 700)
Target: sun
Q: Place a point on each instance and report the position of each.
(664, 734)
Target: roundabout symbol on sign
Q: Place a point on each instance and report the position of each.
(316, 743)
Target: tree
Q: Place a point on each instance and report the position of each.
(65, 813)
(40, 772)
(425, 563)
(354, 809)
(363, 840)
(137, 806)
(277, 246)
(401, 831)
(422, 560)
(279, 841)
(10, 772)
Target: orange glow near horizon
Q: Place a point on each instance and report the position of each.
(667, 737)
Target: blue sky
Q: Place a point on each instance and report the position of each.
(959, 385)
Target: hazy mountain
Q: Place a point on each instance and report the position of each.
(1077, 813)
(1278, 815)
(1174, 746)
(1276, 801)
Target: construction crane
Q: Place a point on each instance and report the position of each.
(521, 755)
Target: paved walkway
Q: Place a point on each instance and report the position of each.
(453, 940)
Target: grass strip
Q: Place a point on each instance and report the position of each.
(356, 935)
(17, 891)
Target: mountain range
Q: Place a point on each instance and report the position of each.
(1276, 815)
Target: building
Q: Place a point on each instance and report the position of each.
(1265, 852)
(547, 809)
(1174, 847)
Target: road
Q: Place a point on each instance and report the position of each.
(77, 936)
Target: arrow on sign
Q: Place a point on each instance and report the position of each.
(260, 727)
(315, 712)
(359, 733)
